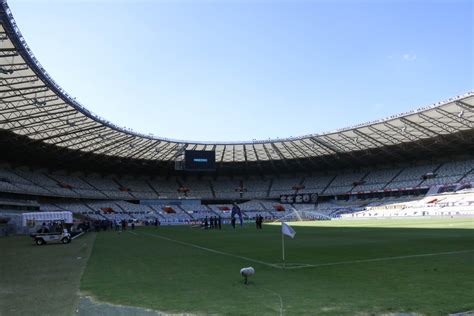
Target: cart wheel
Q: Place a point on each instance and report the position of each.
(66, 240)
(40, 242)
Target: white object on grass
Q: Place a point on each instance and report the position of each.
(247, 272)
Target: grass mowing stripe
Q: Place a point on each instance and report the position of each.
(210, 250)
(381, 259)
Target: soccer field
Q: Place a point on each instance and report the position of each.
(333, 268)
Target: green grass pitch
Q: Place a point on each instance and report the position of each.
(165, 268)
(333, 268)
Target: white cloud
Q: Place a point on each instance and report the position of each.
(409, 57)
(404, 57)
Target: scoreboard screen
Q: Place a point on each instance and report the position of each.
(199, 160)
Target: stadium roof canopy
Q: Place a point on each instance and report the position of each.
(34, 107)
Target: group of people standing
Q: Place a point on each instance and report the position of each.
(212, 222)
(215, 222)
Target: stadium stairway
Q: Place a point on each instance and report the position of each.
(212, 189)
(360, 180)
(185, 212)
(329, 184)
(394, 177)
(434, 171)
(94, 210)
(152, 188)
(466, 174)
(269, 188)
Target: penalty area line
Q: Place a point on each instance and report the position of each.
(210, 250)
(381, 259)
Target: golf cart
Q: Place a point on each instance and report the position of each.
(57, 237)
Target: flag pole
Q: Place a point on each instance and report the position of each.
(283, 245)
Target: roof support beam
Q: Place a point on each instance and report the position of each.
(18, 104)
(8, 52)
(315, 149)
(438, 123)
(464, 105)
(62, 134)
(378, 144)
(13, 93)
(172, 147)
(33, 108)
(269, 157)
(334, 144)
(10, 119)
(119, 149)
(94, 137)
(280, 154)
(370, 139)
(120, 140)
(257, 160)
(352, 141)
(157, 149)
(223, 152)
(456, 118)
(324, 144)
(418, 127)
(386, 137)
(306, 155)
(79, 127)
(402, 132)
(143, 150)
(321, 156)
(9, 69)
(181, 150)
(9, 82)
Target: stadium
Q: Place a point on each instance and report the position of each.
(383, 211)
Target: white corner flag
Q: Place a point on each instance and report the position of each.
(287, 230)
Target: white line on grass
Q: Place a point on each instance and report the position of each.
(78, 235)
(281, 300)
(381, 259)
(210, 250)
(302, 265)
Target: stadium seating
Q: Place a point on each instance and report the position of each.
(138, 188)
(199, 211)
(411, 176)
(226, 188)
(284, 185)
(166, 188)
(256, 188)
(99, 197)
(451, 172)
(198, 188)
(344, 183)
(377, 180)
(316, 184)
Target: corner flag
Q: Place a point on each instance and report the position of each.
(287, 230)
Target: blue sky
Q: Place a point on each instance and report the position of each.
(243, 70)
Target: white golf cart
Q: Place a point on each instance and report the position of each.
(56, 237)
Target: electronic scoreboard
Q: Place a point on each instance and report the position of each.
(199, 160)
